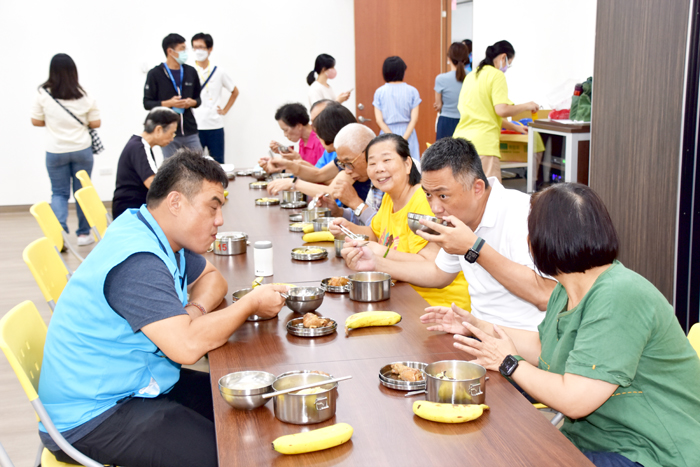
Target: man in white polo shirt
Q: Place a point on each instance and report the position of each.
(503, 285)
(210, 115)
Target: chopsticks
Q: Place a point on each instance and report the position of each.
(305, 386)
(352, 235)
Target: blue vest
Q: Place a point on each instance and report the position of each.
(92, 358)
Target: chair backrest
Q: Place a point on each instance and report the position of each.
(694, 337)
(84, 178)
(47, 267)
(48, 222)
(22, 337)
(95, 212)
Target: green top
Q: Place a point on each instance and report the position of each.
(625, 332)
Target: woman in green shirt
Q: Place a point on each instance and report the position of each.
(613, 357)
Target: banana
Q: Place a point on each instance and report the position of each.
(313, 237)
(448, 413)
(257, 281)
(225, 193)
(308, 228)
(371, 318)
(314, 440)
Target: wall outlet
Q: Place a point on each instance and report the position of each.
(107, 171)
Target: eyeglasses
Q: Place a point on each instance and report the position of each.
(349, 165)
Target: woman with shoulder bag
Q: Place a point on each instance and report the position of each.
(65, 109)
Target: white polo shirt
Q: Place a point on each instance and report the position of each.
(206, 115)
(504, 228)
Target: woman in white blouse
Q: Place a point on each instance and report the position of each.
(68, 146)
(319, 89)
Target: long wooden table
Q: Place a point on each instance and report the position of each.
(386, 432)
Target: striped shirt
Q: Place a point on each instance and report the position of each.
(396, 101)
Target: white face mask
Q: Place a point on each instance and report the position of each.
(200, 55)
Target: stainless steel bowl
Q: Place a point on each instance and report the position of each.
(303, 253)
(305, 299)
(466, 383)
(238, 294)
(295, 217)
(294, 205)
(244, 389)
(259, 175)
(369, 286)
(414, 225)
(292, 196)
(258, 185)
(308, 215)
(304, 409)
(340, 242)
(321, 223)
(230, 243)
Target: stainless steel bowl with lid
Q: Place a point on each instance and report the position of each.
(455, 382)
(369, 286)
(243, 390)
(292, 196)
(308, 215)
(321, 223)
(304, 409)
(415, 225)
(230, 243)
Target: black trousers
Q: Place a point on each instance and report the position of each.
(174, 429)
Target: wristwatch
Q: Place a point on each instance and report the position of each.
(358, 210)
(473, 253)
(509, 364)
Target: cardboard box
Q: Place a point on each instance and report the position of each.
(513, 148)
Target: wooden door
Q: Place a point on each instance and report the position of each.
(415, 30)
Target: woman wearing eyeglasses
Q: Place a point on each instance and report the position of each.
(484, 104)
(392, 170)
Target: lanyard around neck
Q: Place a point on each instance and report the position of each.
(183, 277)
(172, 78)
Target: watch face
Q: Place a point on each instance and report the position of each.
(508, 366)
(471, 256)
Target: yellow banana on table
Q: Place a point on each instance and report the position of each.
(314, 440)
(313, 237)
(448, 413)
(371, 318)
(308, 228)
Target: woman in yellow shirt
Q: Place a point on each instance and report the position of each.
(391, 169)
(484, 103)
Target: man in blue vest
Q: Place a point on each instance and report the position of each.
(111, 378)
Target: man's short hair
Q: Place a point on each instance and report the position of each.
(208, 40)
(171, 41)
(331, 120)
(323, 101)
(159, 117)
(458, 154)
(355, 137)
(570, 230)
(292, 114)
(393, 69)
(184, 172)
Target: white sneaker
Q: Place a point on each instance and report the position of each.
(85, 240)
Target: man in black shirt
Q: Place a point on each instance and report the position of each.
(137, 165)
(175, 85)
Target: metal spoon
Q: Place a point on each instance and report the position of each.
(306, 386)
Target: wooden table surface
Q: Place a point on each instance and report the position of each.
(386, 432)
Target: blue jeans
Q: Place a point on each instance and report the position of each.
(214, 140)
(191, 141)
(609, 459)
(62, 169)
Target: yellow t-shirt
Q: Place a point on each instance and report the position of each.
(478, 121)
(387, 222)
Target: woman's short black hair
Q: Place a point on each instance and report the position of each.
(402, 149)
(63, 78)
(171, 41)
(160, 117)
(331, 120)
(570, 230)
(292, 114)
(184, 172)
(458, 154)
(208, 40)
(393, 69)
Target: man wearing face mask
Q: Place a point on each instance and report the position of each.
(210, 115)
(484, 107)
(175, 85)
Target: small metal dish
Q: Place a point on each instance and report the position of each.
(333, 288)
(244, 173)
(296, 226)
(391, 380)
(267, 201)
(415, 225)
(258, 185)
(294, 205)
(295, 217)
(309, 253)
(296, 328)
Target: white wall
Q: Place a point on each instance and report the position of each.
(553, 40)
(267, 47)
(462, 24)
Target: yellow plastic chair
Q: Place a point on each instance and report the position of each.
(48, 269)
(95, 212)
(22, 337)
(694, 337)
(52, 229)
(84, 179)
